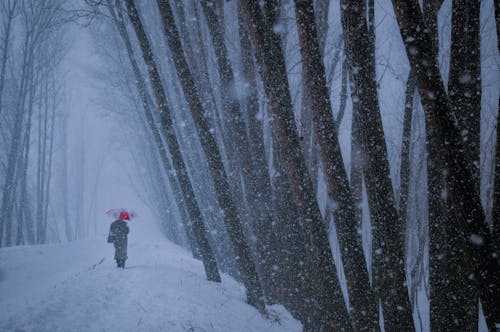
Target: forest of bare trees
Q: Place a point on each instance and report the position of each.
(341, 166)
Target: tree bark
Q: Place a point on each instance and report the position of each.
(496, 188)
(404, 169)
(465, 204)
(389, 268)
(330, 311)
(5, 49)
(364, 308)
(464, 83)
(231, 219)
(257, 184)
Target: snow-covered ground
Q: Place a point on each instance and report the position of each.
(77, 287)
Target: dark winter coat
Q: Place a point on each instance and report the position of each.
(118, 236)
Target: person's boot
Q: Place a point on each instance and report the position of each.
(123, 264)
(118, 263)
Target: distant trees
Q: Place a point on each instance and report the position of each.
(31, 52)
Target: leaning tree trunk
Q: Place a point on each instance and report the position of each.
(330, 311)
(259, 161)
(442, 261)
(496, 187)
(464, 199)
(194, 212)
(364, 306)
(464, 95)
(231, 219)
(5, 47)
(257, 187)
(404, 169)
(13, 156)
(389, 268)
(464, 84)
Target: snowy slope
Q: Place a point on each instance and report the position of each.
(76, 287)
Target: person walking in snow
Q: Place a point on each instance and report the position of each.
(118, 236)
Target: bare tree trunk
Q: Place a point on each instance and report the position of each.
(364, 308)
(389, 268)
(159, 92)
(496, 188)
(309, 148)
(68, 225)
(443, 315)
(11, 8)
(464, 84)
(258, 189)
(357, 161)
(464, 201)
(231, 219)
(254, 121)
(330, 310)
(23, 214)
(404, 169)
(13, 156)
(497, 19)
(464, 90)
(50, 156)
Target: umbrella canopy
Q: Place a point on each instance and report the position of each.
(121, 214)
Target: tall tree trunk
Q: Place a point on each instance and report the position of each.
(168, 131)
(258, 189)
(5, 47)
(443, 315)
(464, 95)
(254, 120)
(464, 200)
(496, 188)
(23, 214)
(330, 311)
(13, 156)
(49, 162)
(364, 308)
(68, 225)
(464, 84)
(231, 219)
(357, 160)
(404, 169)
(389, 268)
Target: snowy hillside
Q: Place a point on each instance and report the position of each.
(77, 287)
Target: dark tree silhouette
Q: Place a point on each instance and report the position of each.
(464, 201)
(231, 219)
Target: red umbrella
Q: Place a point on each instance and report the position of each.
(121, 214)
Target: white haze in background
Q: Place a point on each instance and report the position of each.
(108, 165)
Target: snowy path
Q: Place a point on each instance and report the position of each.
(76, 287)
